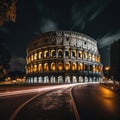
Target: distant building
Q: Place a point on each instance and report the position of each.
(63, 57)
(115, 60)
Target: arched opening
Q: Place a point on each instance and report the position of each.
(60, 79)
(74, 66)
(46, 54)
(31, 57)
(74, 79)
(80, 79)
(67, 79)
(90, 56)
(53, 53)
(67, 53)
(86, 67)
(86, 79)
(80, 54)
(94, 79)
(94, 68)
(52, 79)
(80, 66)
(31, 68)
(35, 79)
(85, 55)
(67, 66)
(93, 57)
(60, 53)
(28, 80)
(40, 80)
(35, 56)
(35, 68)
(90, 79)
(53, 66)
(91, 68)
(40, 55)
(46, 67)
(40, 67)
(60, 66)
(31, 79)
(46, 79)
(73, 53)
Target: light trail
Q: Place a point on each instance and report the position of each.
(17, 92)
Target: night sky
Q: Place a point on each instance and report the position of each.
(99, 19)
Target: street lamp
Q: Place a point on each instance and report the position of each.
(107, 68)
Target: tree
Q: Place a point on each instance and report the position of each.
(7, 11)
(5, 58)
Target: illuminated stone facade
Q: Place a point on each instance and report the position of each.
(63, 57)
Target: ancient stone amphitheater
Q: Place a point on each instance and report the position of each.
(63, 57)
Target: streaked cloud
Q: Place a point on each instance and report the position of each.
(108, 39)
(83, 15)
(48, 25)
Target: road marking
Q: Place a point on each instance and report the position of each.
(77, 117)
(12, 117)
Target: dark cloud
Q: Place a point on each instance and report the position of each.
(17, 63)
(96, 18)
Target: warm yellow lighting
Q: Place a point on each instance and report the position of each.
(40, 55)
(85, 55)
(35, 68)
(107, 68)
(60, 66)
(40, 67)
(46, 53)
(93, 57)
(46, 67)
(35, 56)
(53, 67)
(80, 54)
(90, 56)
(31, 68)
(31, 57)
(53, 54)
(74, 66)
(80, 66)
(67, 66)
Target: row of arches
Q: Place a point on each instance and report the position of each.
(60, 79)
(59, 66)
(63, 53)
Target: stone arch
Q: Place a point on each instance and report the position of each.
(67, 79)
(46, 79)
(60, 79)
(60, 66)
(80, 79)
(40, 79)
(67, 66)
(86, 79)
(52, 79)
(74, 79)
(35, 79)
(90, 79)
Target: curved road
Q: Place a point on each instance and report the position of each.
(87, 101)
(95, 102)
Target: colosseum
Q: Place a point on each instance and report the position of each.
(63, 57)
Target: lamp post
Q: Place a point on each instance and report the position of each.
(107, 72)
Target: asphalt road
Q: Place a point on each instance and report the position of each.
(93, 102)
